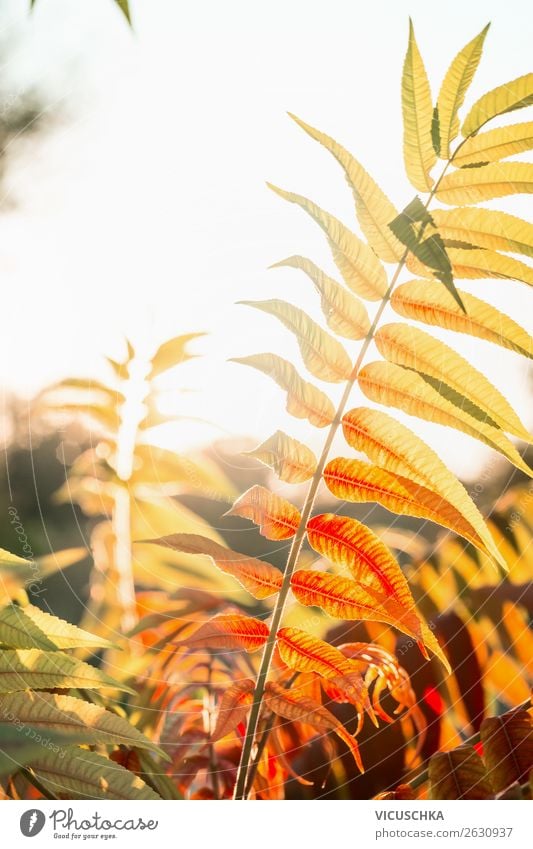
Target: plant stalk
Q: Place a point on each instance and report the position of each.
(242, 786)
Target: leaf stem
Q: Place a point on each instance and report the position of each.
(242, 785)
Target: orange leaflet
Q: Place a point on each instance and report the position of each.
(346, 599)
(350, 544)
(295, 707)
(233, 708)
(259, 578)
(305, 653)
(276, 517)
(357, 481)
(228, 631)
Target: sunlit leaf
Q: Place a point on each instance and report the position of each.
(395, 386)
(231, 631)
(485, 228)
(394, 447)
(352, 546)
(323, 355)
(495, 145)
(18, 747)
(172, 353)
(508, 748)
(417, 109)
(258, 577)
(29, 627)
(345, 314)
(79, 774)
(453, 90)
(505, 98)
(430, 303)
(374, 209)
(359, 482)
(277, 518)
(344, 598)
(472, 185)
(412, 348)
(21, 669)
(292, 461)
(359, 266)
(296, 707)
(76, 720)
(472, 264)
(305, 653)
(459, 774)
(304, 401)
(233, 708)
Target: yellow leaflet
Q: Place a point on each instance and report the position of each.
(374, 209)
(323, 355)
(394, 447)
(485, 228)
(453, 90)
(431, 303)
(495, 144)
(505, 98)
(394, 386)
(304, 401)
(419, 154)
(472, 185)
(344, 313)
(413, 348)
(360, 267)
(292, 461)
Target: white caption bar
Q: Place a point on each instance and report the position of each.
(263, 825)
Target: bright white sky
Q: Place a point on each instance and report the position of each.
(144, 210)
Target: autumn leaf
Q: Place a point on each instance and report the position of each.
(172, 353)
(233, 708)
(322, 354)
(415, 349)
(395, 386)
(345, 314)
(359, 266)
(395, 448)
(304, 401)
(21, 669)
(360, 482)
(508, 748)
(459, 774)
(453, 90)
(497, 179)
(292, 461)
(76, 720)
(305, 653)
(276, 517)
(432, 304)
(29, 627)
(227, 631)
(292, 705)
(258, 577)
(80, 774)
(374, 209)
(499, 101)
(351, 545)
(419, 154)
